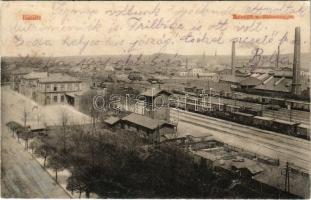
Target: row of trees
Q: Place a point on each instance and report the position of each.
(120, 165)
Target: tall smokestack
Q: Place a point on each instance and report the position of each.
(296, 90)
(277, 57)
(233, 58)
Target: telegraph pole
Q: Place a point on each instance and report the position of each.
(285, 172)
(287, 179)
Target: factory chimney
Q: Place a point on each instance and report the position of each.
(233, 58)
(296, 64)
(277, 57)
(47, 70)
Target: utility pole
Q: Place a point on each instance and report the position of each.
(287, 188)
(285, 172)
(44, 93)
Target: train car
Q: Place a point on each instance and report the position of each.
(282, 126)
(303, 131)
(217, 106)
(252, 111)
(232, 108)
(263, 122)
(242, 118)
(300, 105)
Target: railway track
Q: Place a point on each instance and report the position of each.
(242, 133)
(247, 129)
(287, 148)
(297, 115)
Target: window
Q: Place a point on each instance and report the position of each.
(55, 88)
(55, 98)
(62, 98)
(62, 87)
(69, 86)
(47, 86)
(48, 100)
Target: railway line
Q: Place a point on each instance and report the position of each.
(286, 148)
(284, 114)
(229, 126)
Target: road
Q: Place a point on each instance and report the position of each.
(21, 175)
(271, 144)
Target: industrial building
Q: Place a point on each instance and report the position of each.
(276, 81)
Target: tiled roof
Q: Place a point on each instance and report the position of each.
(35, 75)
(58, 77)
(143, 121)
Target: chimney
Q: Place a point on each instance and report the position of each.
(277, 57)
(233, 58)
(47, 70)
(296, 64)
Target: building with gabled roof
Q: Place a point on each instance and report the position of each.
(58, 88)
(147, 128)
(48, 88)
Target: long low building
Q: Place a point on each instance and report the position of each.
(152, 130)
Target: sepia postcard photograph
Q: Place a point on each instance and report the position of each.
(155, 99)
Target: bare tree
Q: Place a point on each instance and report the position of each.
(25, 117)
(55, 162)
(43, 150)
(64, 126)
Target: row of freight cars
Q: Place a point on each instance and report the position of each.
(248, 116)
(282, 102)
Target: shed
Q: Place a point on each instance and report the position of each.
(147, 127)
(112, 121)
